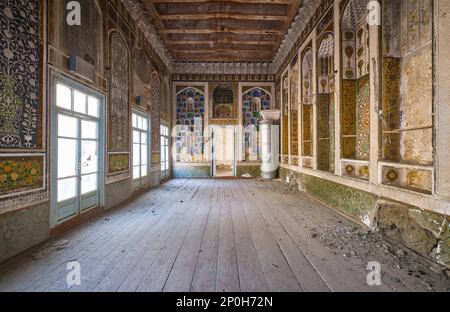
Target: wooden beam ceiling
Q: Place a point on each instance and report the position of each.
(218, 30)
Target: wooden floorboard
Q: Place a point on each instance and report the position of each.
(202, 235)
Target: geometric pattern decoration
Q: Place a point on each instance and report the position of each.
(118, 95)
(20, 75)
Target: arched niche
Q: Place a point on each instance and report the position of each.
(285, 117)
(325, 103)
(293, 99)
(190, 119)
(254, 101)
(355, 94)
(306, 101)
(406, 118)
(223, 101)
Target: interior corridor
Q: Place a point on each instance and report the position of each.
(220, 235)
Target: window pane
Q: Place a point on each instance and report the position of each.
(136, 155)
(88, 183)
(163, 155)
(67, 157)
(144, 156)
(67, 189)
(134, 120)
(136, 135)
(63, 97)
(89, 157)
(143, 138)
(143, 171)
(88, 129)
(145, 124)
(93, 106)
(79, 102)
(167, 154)
(67, 126)
(136, 172)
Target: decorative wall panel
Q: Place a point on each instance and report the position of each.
(407, 83)
(119, 162)
(20, 75)
(81, 40)
(285, 119)
(141, 78)
(355, 101)
(391, 112)
(358, 204)
(419, 180)
(223, 101)
(325, 103)
(306, 97)
(118, 121)
(155, 89)
(190, 124)
(254, 100)
(21, 174)
(348, 118)
(363, 119)
(355, 169)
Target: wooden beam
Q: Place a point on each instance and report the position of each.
(209, 42)
(235, 1)
(223, 16)
(221, 51)
(230, 31)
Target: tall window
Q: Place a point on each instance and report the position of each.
(76, 135)
(164, 152)
(140, 150)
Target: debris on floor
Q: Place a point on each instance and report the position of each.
(49, 248)
(362, 245)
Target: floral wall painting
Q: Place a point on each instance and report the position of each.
(20, 73)
(119, 162)
(20, 174)
(118, 101)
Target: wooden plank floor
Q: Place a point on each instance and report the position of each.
(207, 235)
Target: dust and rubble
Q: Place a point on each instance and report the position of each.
(345, 238)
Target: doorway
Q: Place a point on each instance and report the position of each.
(77, 177)
(140, 127)
(223, 160)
